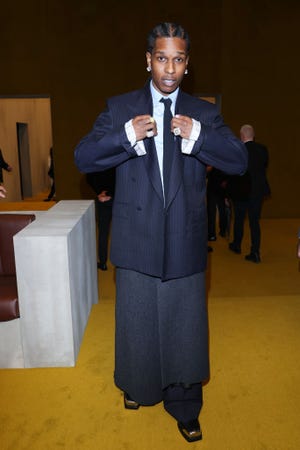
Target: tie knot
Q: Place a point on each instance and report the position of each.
(167, 102)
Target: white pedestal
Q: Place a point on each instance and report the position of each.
(56, 268)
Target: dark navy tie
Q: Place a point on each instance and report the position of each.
(168, 143)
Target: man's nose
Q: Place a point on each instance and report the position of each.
(170, 67)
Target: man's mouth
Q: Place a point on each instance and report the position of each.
(168, 81)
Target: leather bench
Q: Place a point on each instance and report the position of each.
(10, 224)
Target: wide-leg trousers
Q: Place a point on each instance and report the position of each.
(161, 344)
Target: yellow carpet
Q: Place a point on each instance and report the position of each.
(251, 402)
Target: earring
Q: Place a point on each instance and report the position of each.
(186, 72)
(148, 69)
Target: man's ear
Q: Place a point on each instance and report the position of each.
(148, 59)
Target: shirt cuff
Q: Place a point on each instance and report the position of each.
(138, 146)
(188, 144)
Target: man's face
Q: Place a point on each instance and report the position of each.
(168, 62)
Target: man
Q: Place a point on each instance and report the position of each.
(248, 194)
(103, 184)
(216, 199)
(51, 176)
(3, 165)
(159, 227)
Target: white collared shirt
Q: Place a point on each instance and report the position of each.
(158, 114)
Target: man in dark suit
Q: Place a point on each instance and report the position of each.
(216, 200)
(51, 176)
(103, 184)
(3, 165)
(159, 227)
(248, 193)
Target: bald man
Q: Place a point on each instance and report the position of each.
(253, 188)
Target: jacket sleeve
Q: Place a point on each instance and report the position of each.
(217, 146)
(105, 146)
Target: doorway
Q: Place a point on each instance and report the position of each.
(24, 160)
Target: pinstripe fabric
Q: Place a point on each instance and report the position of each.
(172, 242)
(159, 245)
(161, 334)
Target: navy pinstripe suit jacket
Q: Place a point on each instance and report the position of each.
(164, 239)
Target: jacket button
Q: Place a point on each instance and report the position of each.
(139, 208)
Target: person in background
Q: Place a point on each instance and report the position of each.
(103, 184)
(51, 175)
(3, 165)
(248, 193)
(216, 201)
(160, 139)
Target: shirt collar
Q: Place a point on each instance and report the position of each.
(157, 95)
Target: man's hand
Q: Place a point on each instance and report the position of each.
(103, 197)
(182, 125)
(144, 127)
(2, 191)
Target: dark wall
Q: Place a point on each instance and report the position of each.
(260, 85)
(81, 52)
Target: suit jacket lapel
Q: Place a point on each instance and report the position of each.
(144, 105)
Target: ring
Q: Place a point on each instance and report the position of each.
(149, 134)
(177, 131)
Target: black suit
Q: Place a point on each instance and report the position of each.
(216, 195)
(3, 165)
(247, 193)
(103, 181)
